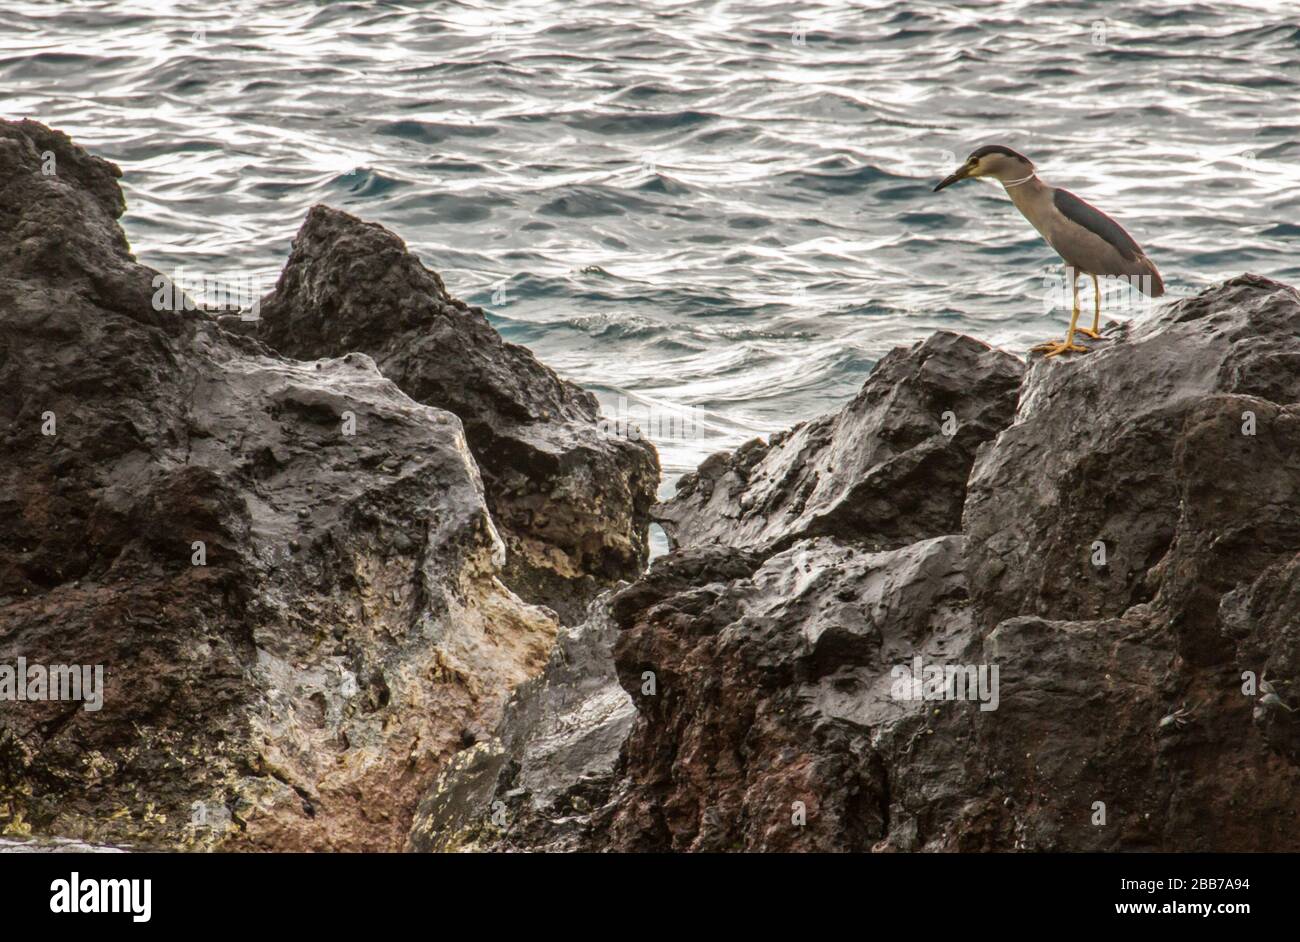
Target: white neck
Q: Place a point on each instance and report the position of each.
(1011, 183)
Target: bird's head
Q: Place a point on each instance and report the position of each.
(991, 160)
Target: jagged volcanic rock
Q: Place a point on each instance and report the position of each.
(344, 651)
(571, 501)
(1147, 702)
(770, 688)
(887, 469)
(890, 440)
(1137, 450)
(544, 781)
(345, 629)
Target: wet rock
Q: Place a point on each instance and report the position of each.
(571, 501)
(1159, 468)
(156, 471)
(1129, 566)
(886, 470)
(292, 573)
(62, 229)
(770, 689)
(544, 782)
(777, 724)
(1260, 618)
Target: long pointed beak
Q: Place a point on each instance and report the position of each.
(961, 174)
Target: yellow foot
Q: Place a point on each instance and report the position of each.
(1088, 332)
(1056, 347)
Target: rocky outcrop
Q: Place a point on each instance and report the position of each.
(1160, 468)
(771, 726)
(806, 668)
(888, 469)
(287, 571)
(571, 501)
(545, 781)
(980, 608)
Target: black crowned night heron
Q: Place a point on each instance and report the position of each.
(1088, 240)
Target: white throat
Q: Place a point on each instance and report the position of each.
(1011, 183)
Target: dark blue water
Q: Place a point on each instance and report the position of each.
(719, 207)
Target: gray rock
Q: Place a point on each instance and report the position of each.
(544, 781)
(886, 470)
(1139, 446)
(571, 501)
(775, 696)
(255, 697)
(1131, 709)
(347, 644)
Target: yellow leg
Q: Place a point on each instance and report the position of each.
(1055, 348)
(1095, 333)
(1096, 311)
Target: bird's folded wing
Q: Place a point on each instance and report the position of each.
(1096, 222)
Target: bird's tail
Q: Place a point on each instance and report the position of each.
(1150, 281)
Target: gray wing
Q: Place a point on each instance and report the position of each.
(1096, 222)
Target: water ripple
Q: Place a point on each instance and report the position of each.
(717, 206)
